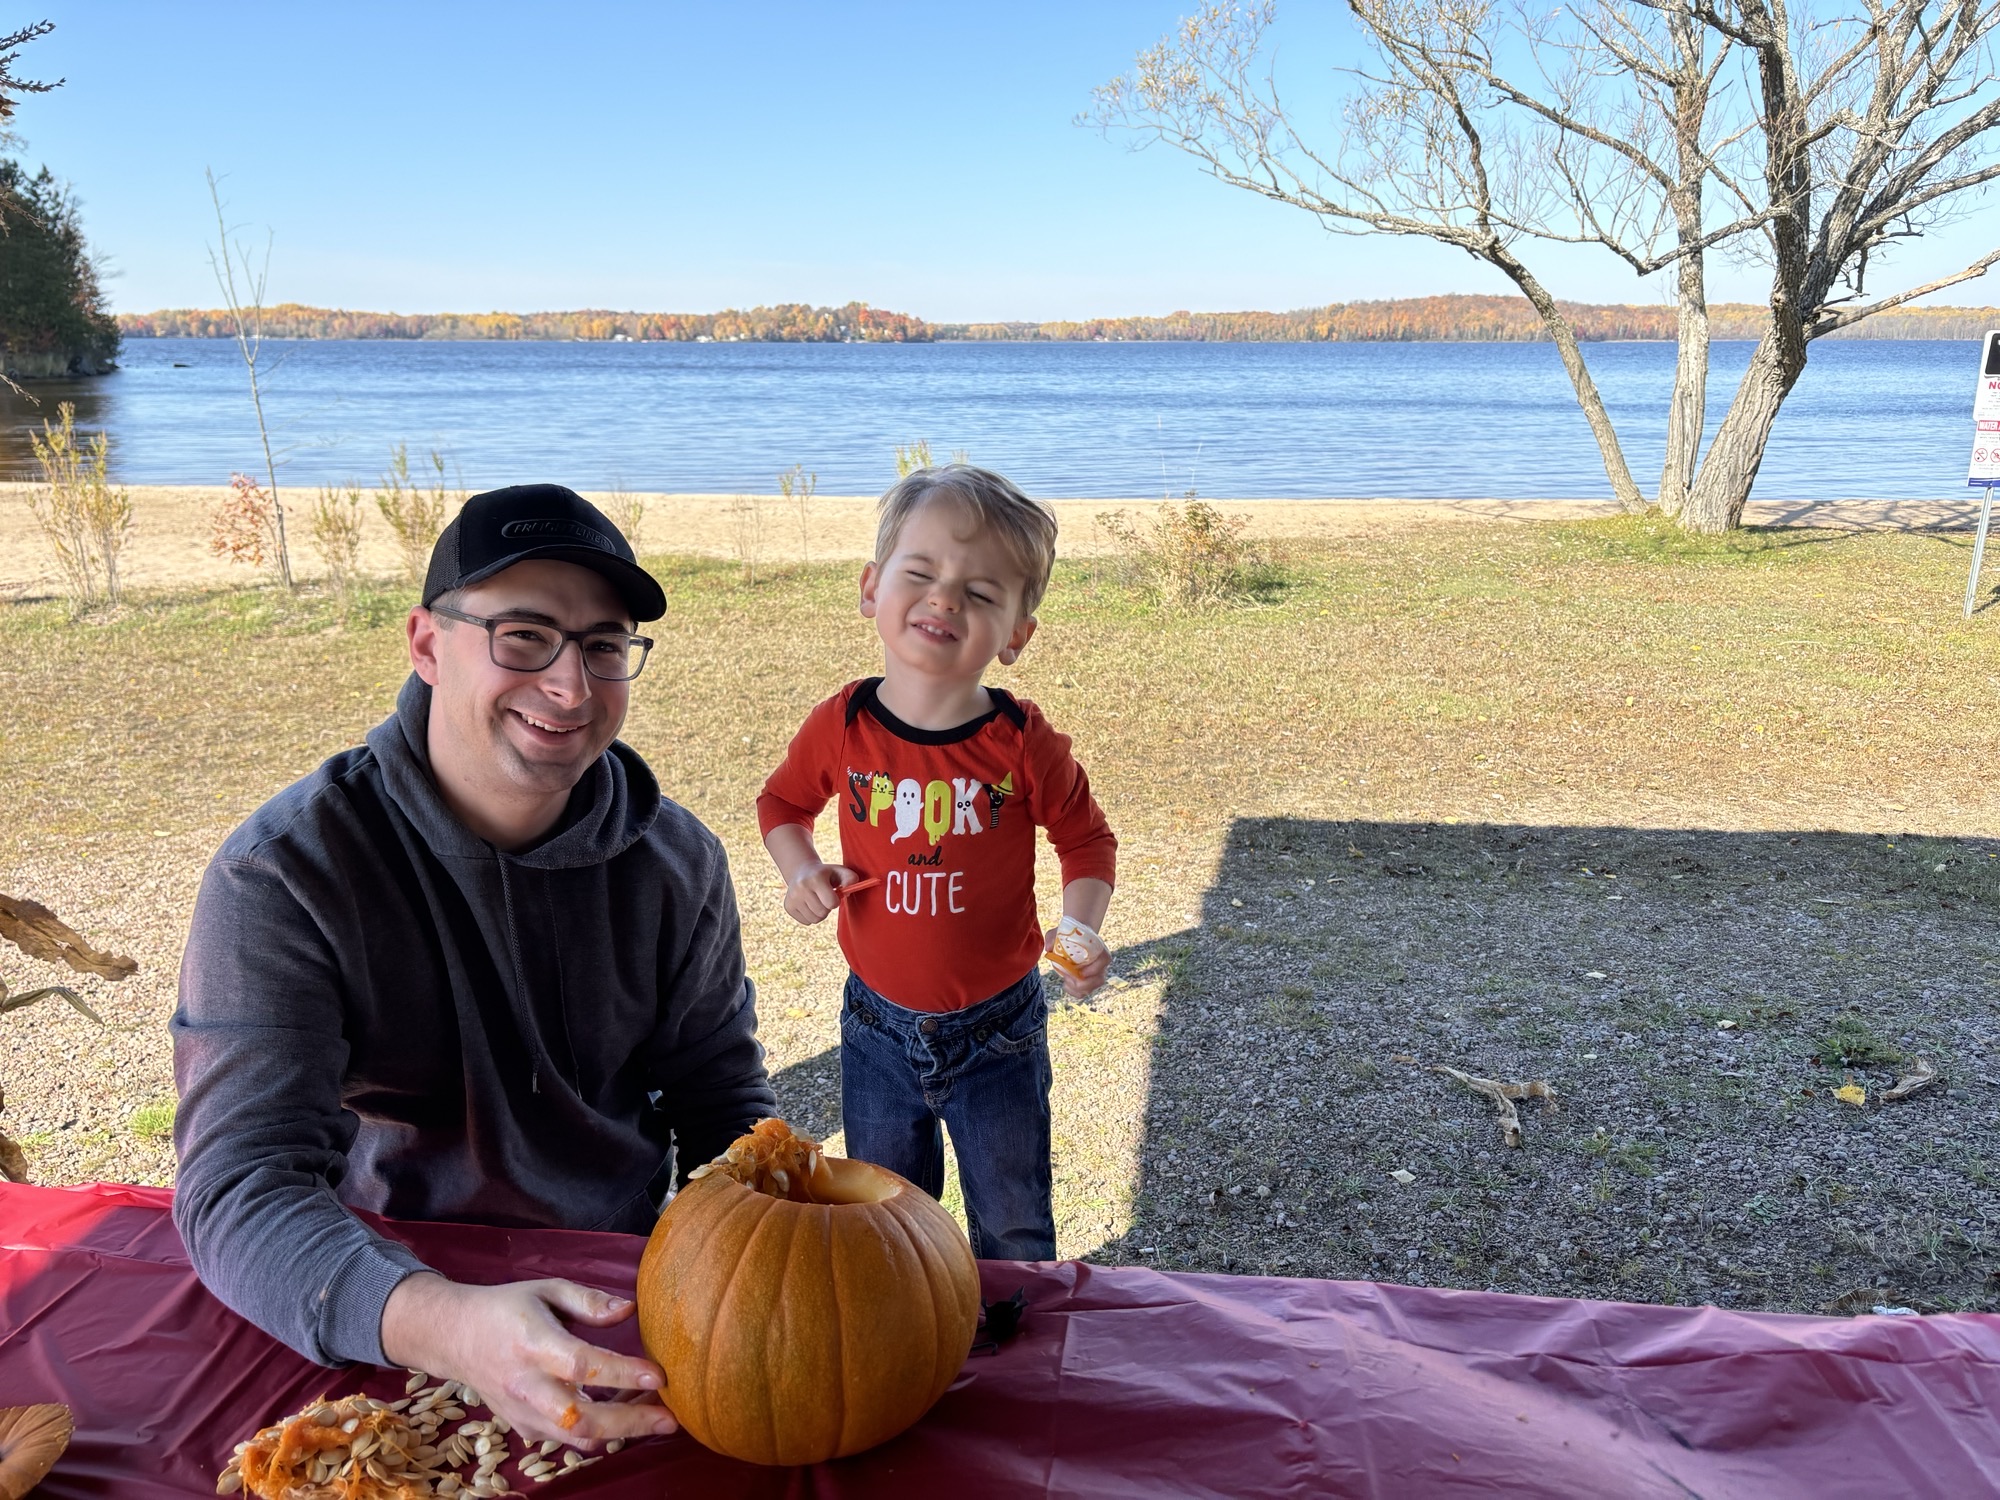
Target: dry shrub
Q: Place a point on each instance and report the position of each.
(912, 458)
(1188, 556)
(797, 486)
(83, 518)
(335, 524)
(246, 526)
(746, 533)
(627, 512)
(416, 512)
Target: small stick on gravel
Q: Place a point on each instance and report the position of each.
(1503, 1095)
(1921, 1076)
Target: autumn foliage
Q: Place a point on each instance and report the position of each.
(789, 323)
(244, 526)
(1466, 319)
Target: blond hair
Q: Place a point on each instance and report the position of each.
(1026, 528)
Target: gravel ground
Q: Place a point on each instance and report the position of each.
(1690, 996)
(1285, 984)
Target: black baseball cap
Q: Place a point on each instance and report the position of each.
(495, 530)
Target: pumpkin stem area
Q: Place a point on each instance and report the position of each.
(776, 1160)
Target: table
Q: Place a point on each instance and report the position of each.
(1124, 1382)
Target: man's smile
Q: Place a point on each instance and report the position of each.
(545, 725)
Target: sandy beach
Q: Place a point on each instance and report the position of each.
(169, 544)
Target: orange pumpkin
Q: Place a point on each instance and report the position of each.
(803, 1306)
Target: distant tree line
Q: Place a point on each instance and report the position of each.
(1465, 319)
(789, 323)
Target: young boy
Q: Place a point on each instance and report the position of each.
(941, 782)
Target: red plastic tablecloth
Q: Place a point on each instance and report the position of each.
(1124, 1382)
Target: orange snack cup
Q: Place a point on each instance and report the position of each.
(1072, 946)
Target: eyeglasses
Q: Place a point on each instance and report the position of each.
(526, 646)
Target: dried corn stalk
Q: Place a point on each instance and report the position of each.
(13, 1161)
(1921, 1076)
(1503, 1095)
(39, 933)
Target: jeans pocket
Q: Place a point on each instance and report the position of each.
(1020, 1031)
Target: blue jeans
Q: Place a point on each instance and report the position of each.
(982, 1071)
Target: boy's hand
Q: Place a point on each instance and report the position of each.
(1089, 976)
(814, 893)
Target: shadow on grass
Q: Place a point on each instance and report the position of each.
(1695, 997)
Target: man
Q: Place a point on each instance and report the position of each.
(477, 970)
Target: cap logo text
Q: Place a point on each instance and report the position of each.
(571, 531)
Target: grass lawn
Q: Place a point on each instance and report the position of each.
(1535, 800)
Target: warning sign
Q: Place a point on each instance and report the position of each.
(1985, 466)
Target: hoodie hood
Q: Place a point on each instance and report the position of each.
(610, 807)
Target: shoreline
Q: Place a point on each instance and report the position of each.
(168, 546)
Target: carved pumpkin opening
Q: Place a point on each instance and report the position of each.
(774, 1160)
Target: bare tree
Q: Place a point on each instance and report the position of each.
(11, 88)
(1874, 125)
(1656, 129)
(1430, 148)
(1628, 147)
(245, 303)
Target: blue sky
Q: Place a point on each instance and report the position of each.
(425, 157)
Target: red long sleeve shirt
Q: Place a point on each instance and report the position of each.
(947, 818)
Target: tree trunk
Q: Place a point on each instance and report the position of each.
(1622, 485)
(1715, 505)
(1689, 407)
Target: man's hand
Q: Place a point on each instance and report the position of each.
(813, 893)
(509, 1344)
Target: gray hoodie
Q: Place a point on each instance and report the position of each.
(380, 1010)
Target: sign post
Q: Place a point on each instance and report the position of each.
(1985, 467)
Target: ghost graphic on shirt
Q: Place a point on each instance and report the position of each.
(909, 809)
(964, 809)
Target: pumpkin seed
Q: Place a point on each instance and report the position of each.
(614, 1445)
(326, 1416)
(548, 1446)
(415, 1383)
(468, 1395)
(230, 1482)
(452, 1413)
(500, 1426)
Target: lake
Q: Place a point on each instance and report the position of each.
(1878, 419)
